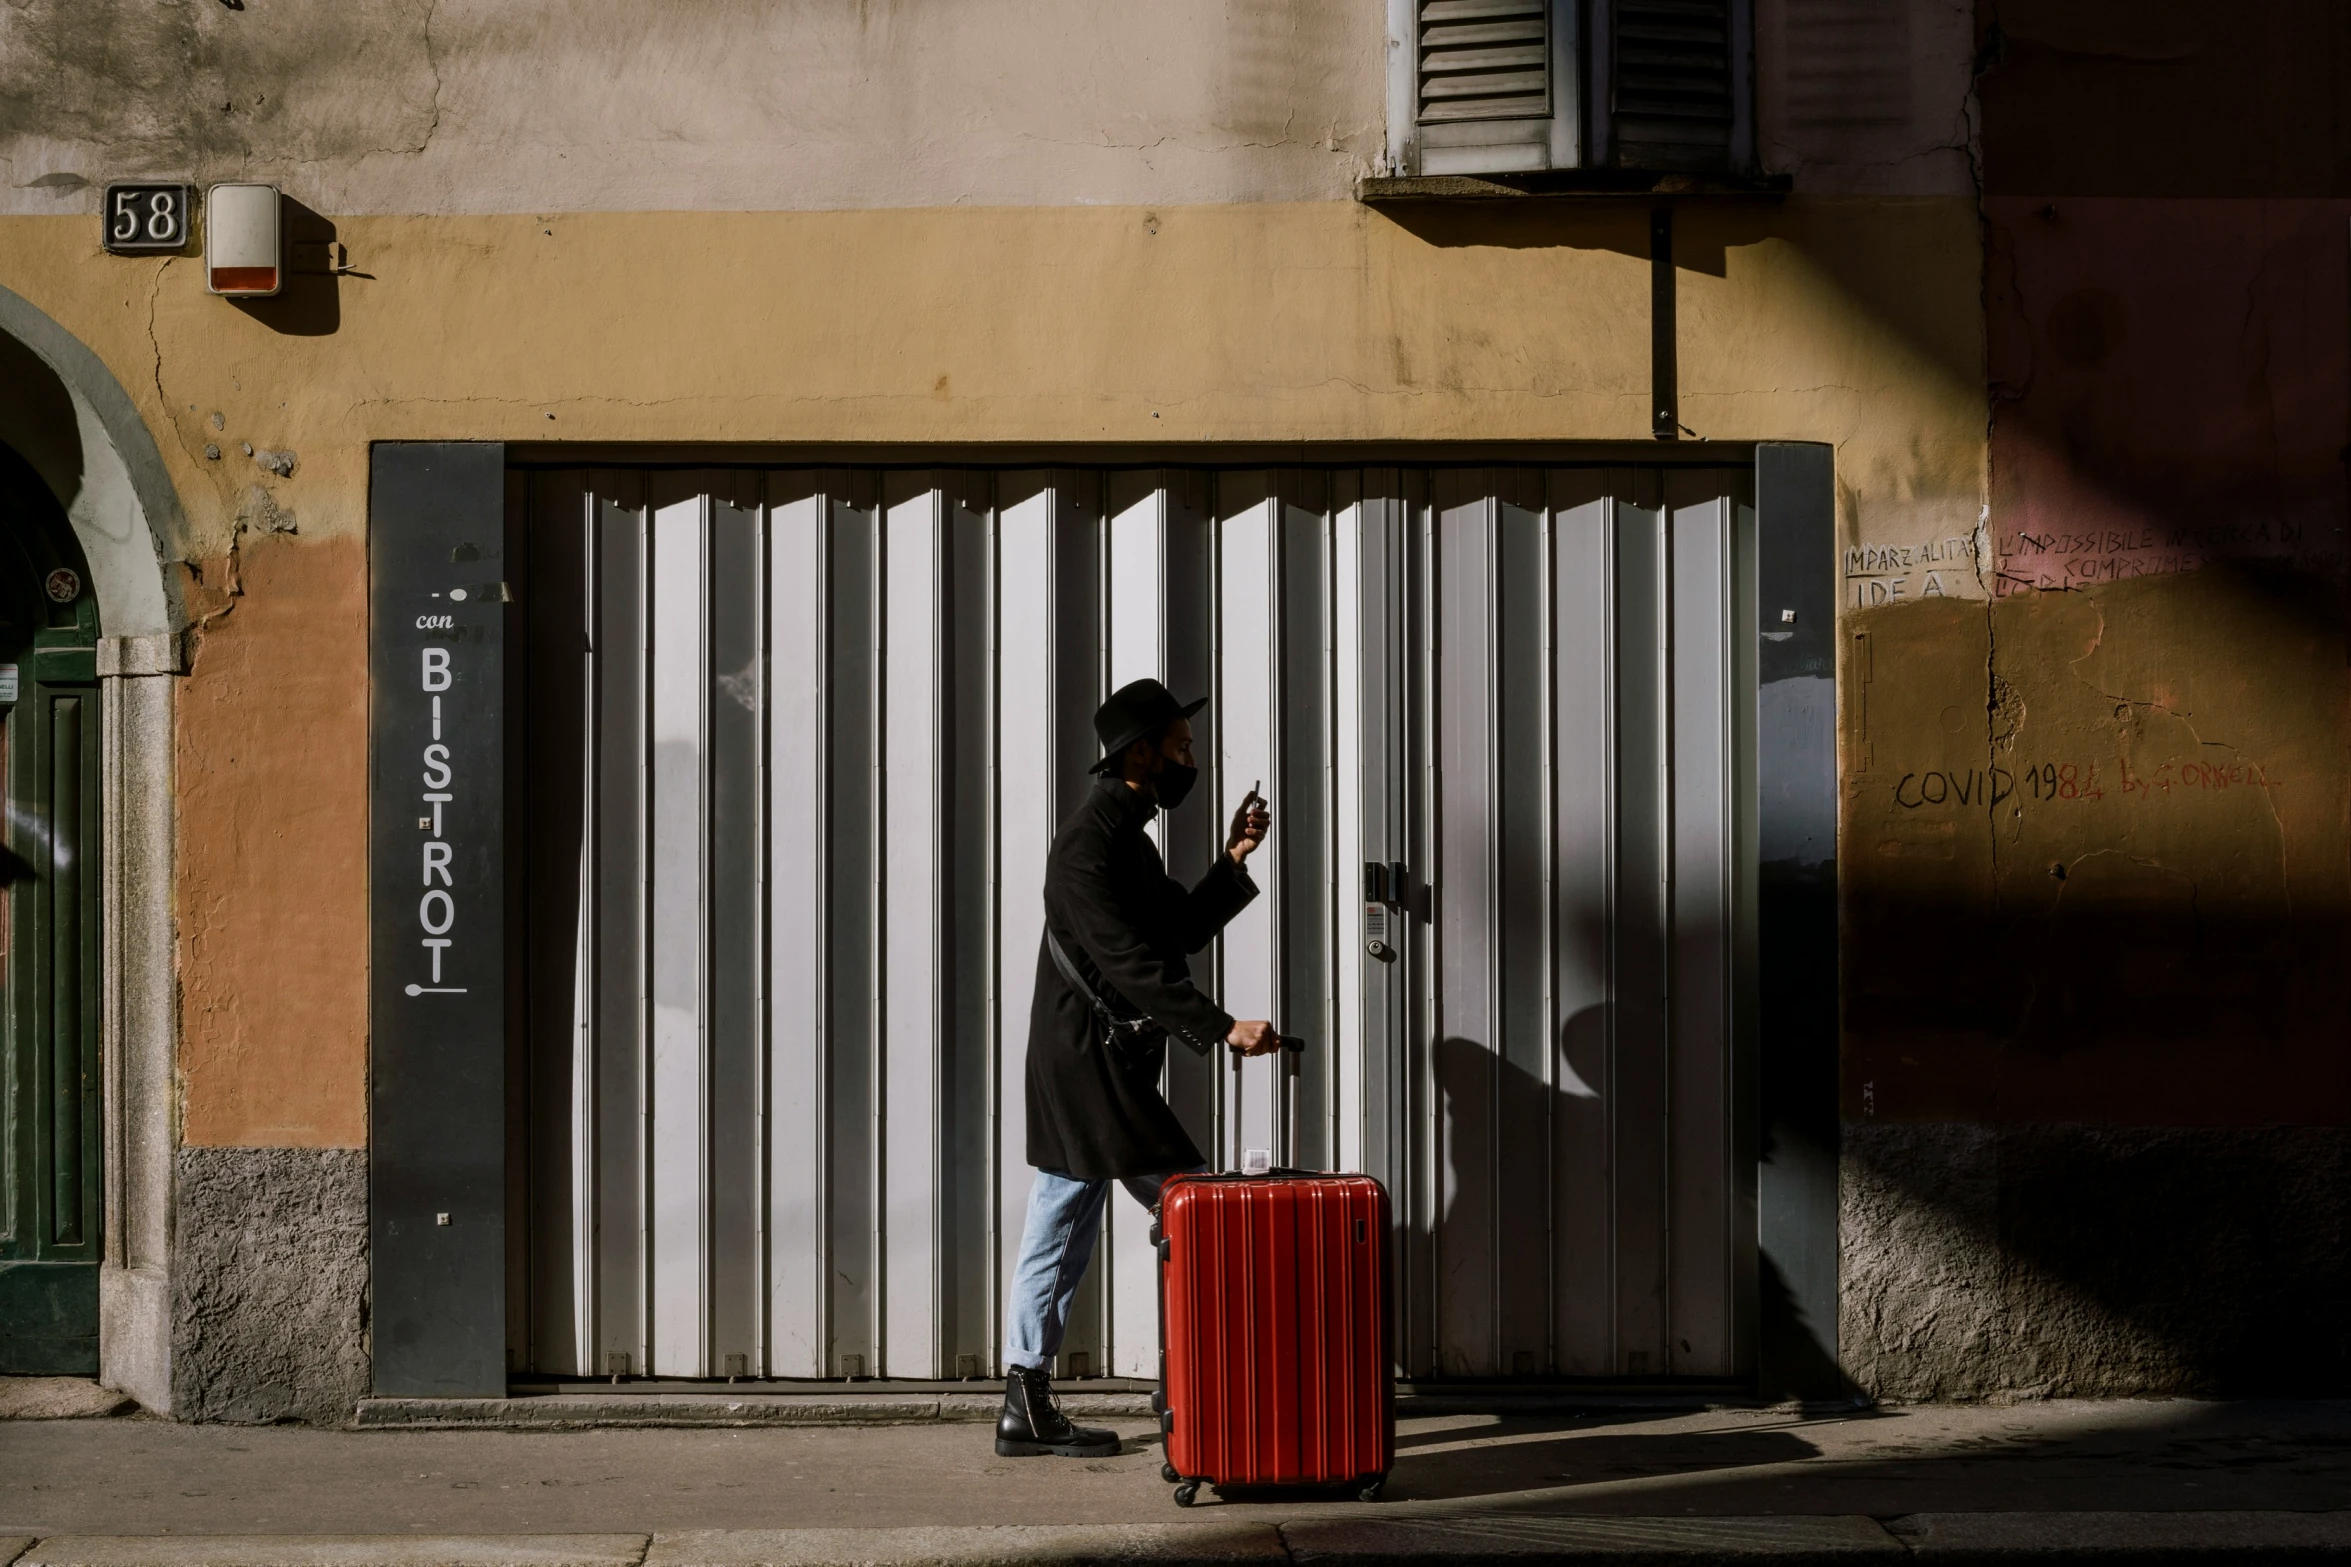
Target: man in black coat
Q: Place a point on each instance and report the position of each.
(1113, 985)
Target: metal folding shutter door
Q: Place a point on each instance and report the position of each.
(799, 741)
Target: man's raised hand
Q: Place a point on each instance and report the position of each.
(1250, 825)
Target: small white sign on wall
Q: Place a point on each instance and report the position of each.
(7, 682)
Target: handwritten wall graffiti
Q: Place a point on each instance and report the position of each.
(1893, 573)
(2074, 782)
(2074, 558)
(2209, 777)
(1977, 786)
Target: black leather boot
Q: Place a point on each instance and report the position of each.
(1033, 1425)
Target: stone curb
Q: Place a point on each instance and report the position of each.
(1456, 1539)
(1958, 1539)
(331, 1550)
(565, 1411)
(568, 1411)
(1461, 1539)
(1207, 1543)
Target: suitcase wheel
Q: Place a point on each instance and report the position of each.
(1168, 1473)
(1372, 1489)
(1187, 1492)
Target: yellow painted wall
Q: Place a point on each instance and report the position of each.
(1854, 321)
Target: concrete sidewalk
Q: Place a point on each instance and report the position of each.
(2125, 1482)
(1936, 1539)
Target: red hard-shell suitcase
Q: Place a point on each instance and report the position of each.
(1274, 1357)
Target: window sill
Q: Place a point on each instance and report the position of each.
(1617, 184)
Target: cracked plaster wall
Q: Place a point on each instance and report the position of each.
(2163, 98)
(482, 106)
(2097, 860)
(2121, 782)
(2097, 749)
(475, 106)
(1867, 97)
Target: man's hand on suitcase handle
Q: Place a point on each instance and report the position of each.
(1257, 1037)
(1253, 1037)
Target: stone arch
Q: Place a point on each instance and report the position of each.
(63, 411)
(67, 415)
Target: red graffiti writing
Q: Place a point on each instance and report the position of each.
(2212, 776)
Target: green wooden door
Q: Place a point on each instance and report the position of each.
(51, 1194)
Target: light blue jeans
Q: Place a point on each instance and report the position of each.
(1056, 1243)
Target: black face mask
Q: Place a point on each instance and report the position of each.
(1175, 780)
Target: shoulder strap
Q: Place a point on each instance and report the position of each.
(1111, 1019)
(1077, 982)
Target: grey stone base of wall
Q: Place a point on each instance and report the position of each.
(2085, 1261)
(269, 1285)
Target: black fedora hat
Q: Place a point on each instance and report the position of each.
(1136, 711)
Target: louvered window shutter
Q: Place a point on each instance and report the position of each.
(1484, 60)
(1510, 86)
(1489, 86)
(1673, 96)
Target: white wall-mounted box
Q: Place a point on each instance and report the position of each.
(244, 250)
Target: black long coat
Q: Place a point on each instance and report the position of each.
(1094, 1106)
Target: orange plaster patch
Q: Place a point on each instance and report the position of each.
(272, 872)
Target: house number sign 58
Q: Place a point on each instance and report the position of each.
(143, 218)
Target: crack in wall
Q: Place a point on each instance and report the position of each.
(432, 60)
(1997, 692)
(155, 343)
